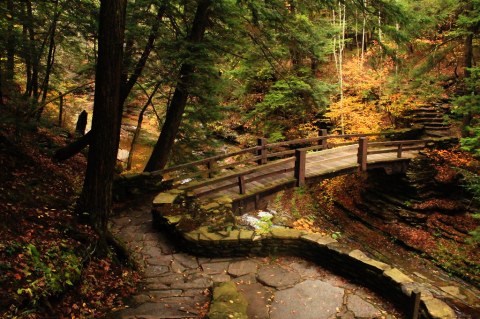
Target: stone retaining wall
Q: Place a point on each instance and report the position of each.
(171, 207)
(135, 184)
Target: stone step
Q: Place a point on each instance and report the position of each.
(435, 124)
(435, 128)
(424, 109)
(434, 134)
(428, 119)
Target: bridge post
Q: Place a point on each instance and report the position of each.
(362, 154)
(210, 166)
(263, 151)
(241, 184)
(323, 142)
(415, 304)
(300, 162)
(399, 151)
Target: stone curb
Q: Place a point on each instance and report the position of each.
(170, 207)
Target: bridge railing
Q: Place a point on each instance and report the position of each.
(293, 151)
(258, 155)
(244, 177)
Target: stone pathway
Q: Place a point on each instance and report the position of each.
(178, 285)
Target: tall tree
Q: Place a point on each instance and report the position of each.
(95, 202)
(163, 147)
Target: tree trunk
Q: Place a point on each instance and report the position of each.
(163, 147)
(51, 53)
(26, 54)
(32, 52)
(95, 202)
(1, 88)
(468, 54)
(60, 110)
(10, 68)
(139, 127)
(468, 59)
(362, 56)
(50, 61)
(128, 85)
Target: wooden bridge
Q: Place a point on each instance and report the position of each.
(250, 176)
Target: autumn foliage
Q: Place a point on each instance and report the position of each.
(47, 263)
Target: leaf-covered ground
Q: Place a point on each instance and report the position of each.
(437, 223)
(48, 267)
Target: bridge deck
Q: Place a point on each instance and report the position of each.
(318, 163)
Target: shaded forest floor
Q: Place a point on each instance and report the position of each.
(48, 267)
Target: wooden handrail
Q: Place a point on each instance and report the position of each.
(319, 138)
(235, 175)
(208, 159)
(398, 142)
(261, 155)
(241, 182)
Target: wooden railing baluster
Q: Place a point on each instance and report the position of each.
(241, 184)
(323, 142)
(415, 304)
(362, 153)
(262, 142)
(300, 161)
(210, 165)
(399, 151)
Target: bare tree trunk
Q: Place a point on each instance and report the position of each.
(50, 61)
(60, 110)
(26, 54)
(32, 52)
(50, 56)
(340, 62)
(139, 126)
(363, 31)
(95, 202)
(10, 67)
(1, 88)
(468, 59)
(163, 147)
(468, 54)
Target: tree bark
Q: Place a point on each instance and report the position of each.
(128, 85)
(33, 58)
(468, 63)
(163, 147)
(10, 67)
(139, 126)
(50, 56)
(60, 110)
(95, 202)
(50, 61)
(26, 53)
(468, 54)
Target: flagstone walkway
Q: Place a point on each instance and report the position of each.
(178, 285)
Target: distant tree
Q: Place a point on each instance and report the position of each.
(95, 202)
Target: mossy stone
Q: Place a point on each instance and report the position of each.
(228, 302)
(286, 233)
(209, 206)
(164, 198)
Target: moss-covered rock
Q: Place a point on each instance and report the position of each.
(227, 303)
